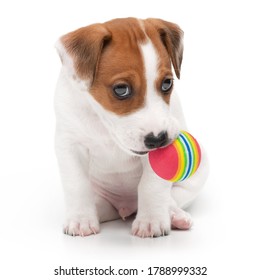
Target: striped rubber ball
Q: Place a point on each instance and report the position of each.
(179, 160)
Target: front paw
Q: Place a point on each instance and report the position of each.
(81, 226)
(151, 226)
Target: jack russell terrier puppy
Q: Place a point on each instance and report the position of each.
(115, 101)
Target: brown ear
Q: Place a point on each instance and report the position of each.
(84, 46)
(171, 36)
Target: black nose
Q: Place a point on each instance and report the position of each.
(152, 142)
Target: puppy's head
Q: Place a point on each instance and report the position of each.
(125, 68)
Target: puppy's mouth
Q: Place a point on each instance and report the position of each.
(140, 153)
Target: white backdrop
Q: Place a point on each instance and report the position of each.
(219, 88)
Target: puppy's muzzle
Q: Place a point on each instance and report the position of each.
(152, 142)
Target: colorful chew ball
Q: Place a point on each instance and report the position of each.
(179, 160)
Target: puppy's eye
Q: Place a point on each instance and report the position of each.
(166, 85)
(122, 91)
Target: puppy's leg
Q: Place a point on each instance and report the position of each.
(81, 213)
(183, 193)
(154, 201)
(160, 204)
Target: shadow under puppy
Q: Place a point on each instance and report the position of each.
(115, 101)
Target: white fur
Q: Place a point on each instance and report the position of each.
(93, 148)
